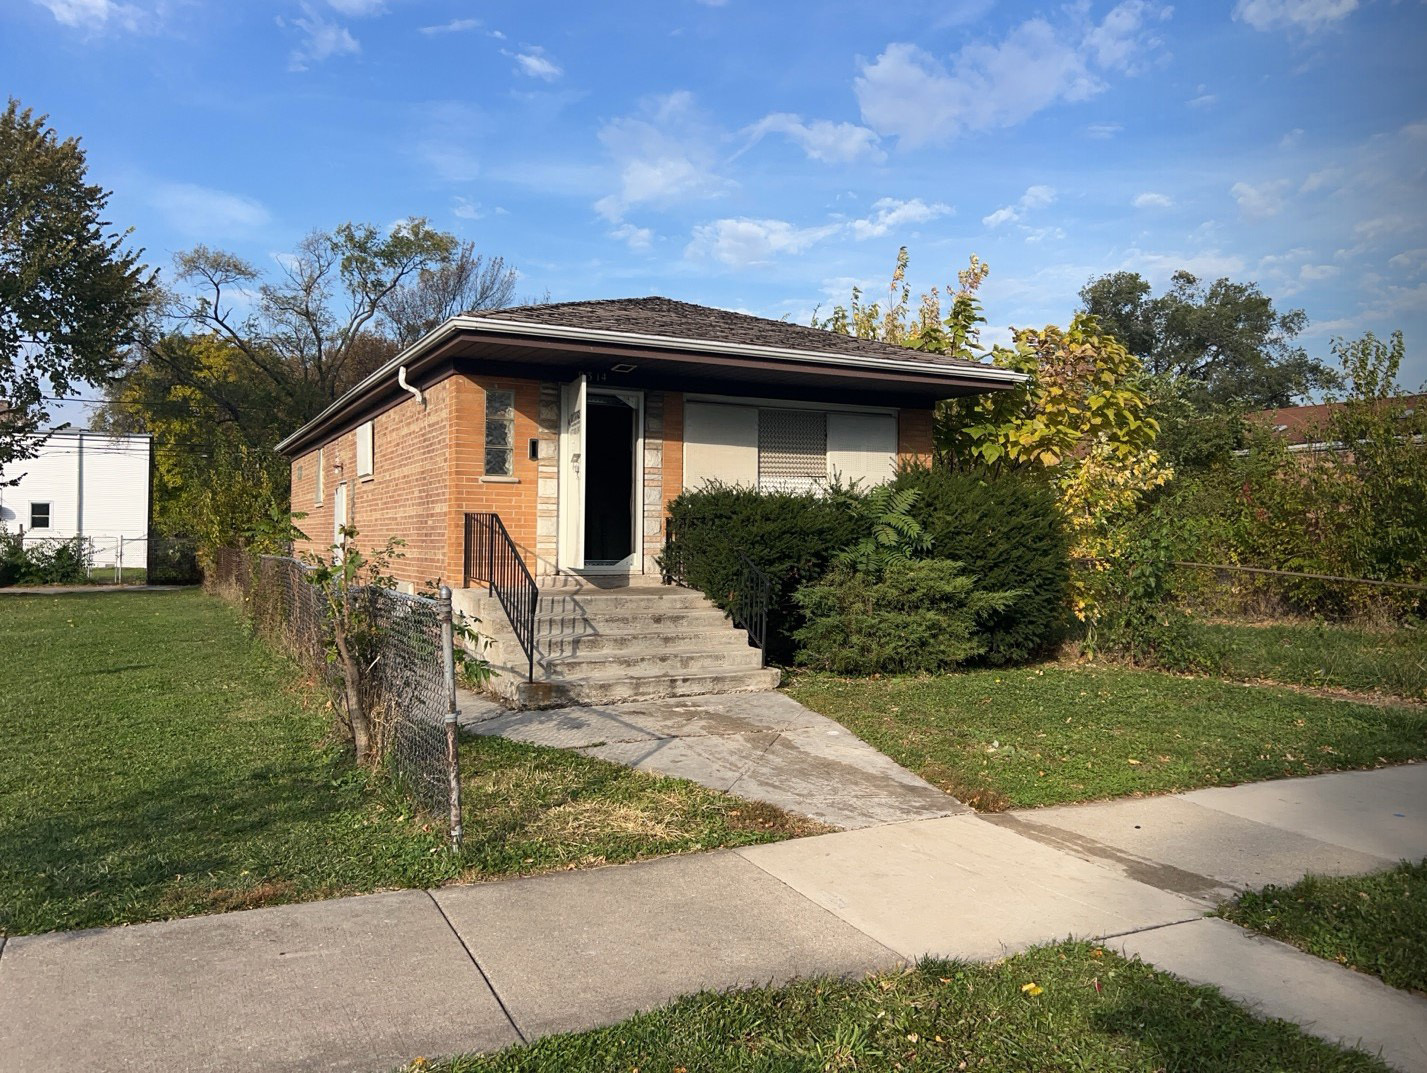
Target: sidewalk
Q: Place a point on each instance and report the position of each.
(367, 983)
(761, 746)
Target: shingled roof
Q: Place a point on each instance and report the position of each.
(684, 320)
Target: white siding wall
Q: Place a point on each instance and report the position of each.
(97, 486)
(722, 442)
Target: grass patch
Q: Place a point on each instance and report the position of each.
(1072, 1006)
(1375, 924)
(1390, 662)
(156, 762)
(1052, 734)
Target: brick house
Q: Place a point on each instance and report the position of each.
(578, 422)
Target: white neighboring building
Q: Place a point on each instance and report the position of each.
(84, 484)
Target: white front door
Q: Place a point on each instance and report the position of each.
(571, 543)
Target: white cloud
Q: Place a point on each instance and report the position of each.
(665, 154)
(1316, 273)
(1150, 200)
(909, 93)
(743, 241)
(1158, 267)
(465, 209)
(1035, 197)
(357, 9)
(822, 139)
(889, 214)
(93, 16)
(1265, 199)
(455, 26)
(1291, 139)
(535, 63)
(1305, 15)
(325, 38)
(637, 238)
(207, 213)
(1410, 260)
(1104, 130)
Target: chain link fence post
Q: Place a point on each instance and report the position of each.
(453, 732)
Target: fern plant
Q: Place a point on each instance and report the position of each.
(893, 535)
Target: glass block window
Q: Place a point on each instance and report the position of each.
(500, 433)
(792, 450)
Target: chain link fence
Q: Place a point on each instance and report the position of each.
(405, 648)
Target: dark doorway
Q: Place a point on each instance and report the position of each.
(609, 480)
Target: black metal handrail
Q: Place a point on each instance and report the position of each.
(747, 603)
(492, 557)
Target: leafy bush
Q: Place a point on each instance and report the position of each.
(1138, 617)
(791, 537)
(1008, 532)
(892, 533)
(47, 562)
(913, 616)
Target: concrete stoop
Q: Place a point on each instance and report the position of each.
(600, 643)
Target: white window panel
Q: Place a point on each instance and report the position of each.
(720, 444)
(861, 448)
(364, 449)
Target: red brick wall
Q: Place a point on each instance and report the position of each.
(514, 500)
(405, 497)
(915, 442)
(673, 446)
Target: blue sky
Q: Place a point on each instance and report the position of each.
(766, 155)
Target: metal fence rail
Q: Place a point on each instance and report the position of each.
(492, 557)
(410, 685)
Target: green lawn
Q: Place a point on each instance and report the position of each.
(1073, 1006)
(1376, 924)
(156, 762)
(1390, 662)
(1051, 734)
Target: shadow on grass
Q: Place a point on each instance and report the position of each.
(197, 839)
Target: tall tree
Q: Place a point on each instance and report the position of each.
(71, 296)
(466, 283)
(1220, 343)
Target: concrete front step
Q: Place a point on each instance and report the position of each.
(645, 685)
(621, 602)
(564, 644)
(578, 623)
(668, 660)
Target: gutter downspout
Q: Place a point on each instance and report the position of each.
(415, 391)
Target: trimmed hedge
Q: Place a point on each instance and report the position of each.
(915, 616)
(789, 536)
(1008, 533)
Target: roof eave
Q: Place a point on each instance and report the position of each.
(411, 356)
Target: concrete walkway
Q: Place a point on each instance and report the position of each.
(761, 746)
(367, 983)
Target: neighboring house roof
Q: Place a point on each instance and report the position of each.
(1300, 425)
(671, 319)
(677, 341)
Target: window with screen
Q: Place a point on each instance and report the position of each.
(364, 449)
(792, 450)
(39, 515)
(500, 433)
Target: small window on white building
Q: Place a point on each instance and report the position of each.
(39, 515)
(364, 449)
(321, 475)
(792, 450)
(500, 433)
